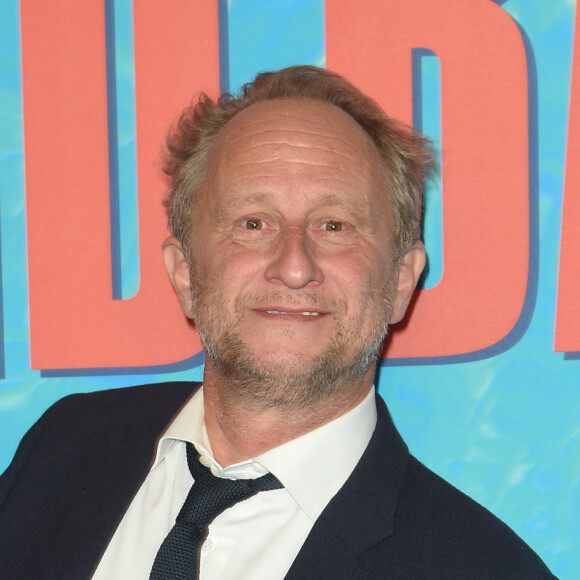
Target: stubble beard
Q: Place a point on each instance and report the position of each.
(289, 382)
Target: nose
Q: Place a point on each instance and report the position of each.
(293, 263)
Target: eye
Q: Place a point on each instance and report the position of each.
(253, 224)
(333, 226)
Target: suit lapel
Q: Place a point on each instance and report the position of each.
(361, 515)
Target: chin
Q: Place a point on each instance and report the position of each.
(284, 363)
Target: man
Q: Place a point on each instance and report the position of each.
(295, 215)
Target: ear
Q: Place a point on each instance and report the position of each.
(178, 272)
(409, 272)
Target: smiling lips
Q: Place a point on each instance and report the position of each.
(302, 313)
(289, 314)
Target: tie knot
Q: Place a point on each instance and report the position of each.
(211, 495)
(208, 497)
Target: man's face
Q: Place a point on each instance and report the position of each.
(291, 261)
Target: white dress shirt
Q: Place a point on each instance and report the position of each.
(255, 539)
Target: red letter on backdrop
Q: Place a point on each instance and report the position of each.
(485, 154)
(568, 311)
(75, 323)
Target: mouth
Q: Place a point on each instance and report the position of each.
(294, 313)
(290, 314)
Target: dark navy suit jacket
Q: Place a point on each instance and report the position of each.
(78, 468)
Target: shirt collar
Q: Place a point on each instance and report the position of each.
(188, 426)
(312, 467)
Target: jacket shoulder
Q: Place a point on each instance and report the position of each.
(76, 422)
(81, 462)
(442, 533)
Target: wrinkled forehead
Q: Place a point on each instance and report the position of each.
(305, 127)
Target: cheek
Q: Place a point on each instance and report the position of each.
(358, 274)
(229, 271)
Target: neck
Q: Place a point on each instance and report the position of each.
(240, 428)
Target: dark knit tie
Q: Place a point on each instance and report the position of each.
(209, 496)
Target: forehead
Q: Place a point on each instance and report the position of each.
(304, 141)
(295, 120)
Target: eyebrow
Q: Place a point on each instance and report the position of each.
(242, 199)
(334, 200)
(238, 201)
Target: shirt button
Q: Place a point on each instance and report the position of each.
(205, 460)
(207, 545)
